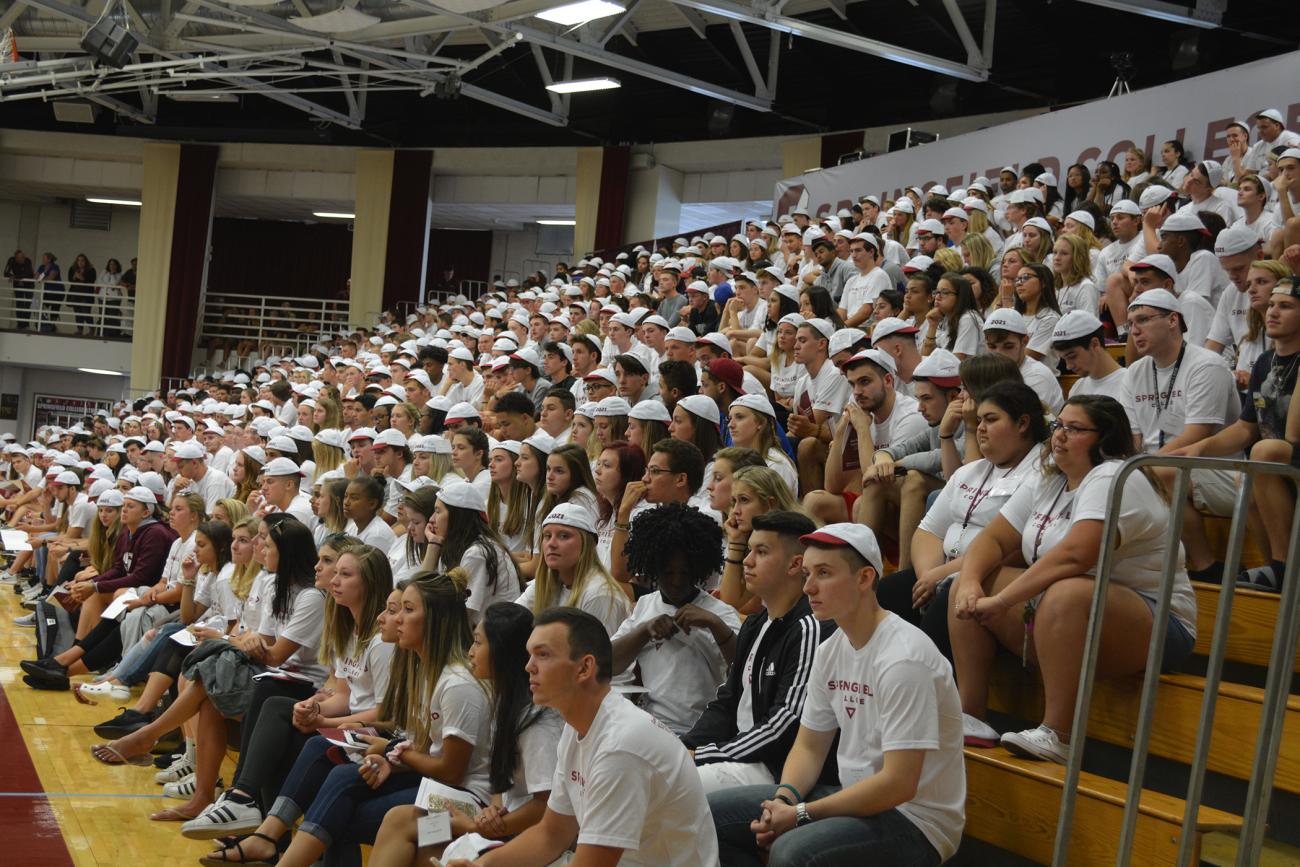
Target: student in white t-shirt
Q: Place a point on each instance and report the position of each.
(1006, 333)
(1178, 394)
(1080, 341)
(362, 504)
(570, 572)
(622, 781)
(882, 687)
(1010, 433)
(1036, 302)
(525, 740)
(680, 637)
(863, 288)
(1056, 526)
(458, 535)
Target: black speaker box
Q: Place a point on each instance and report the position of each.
(109, 43)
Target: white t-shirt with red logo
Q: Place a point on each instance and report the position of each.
(632, 786)
(896, 693)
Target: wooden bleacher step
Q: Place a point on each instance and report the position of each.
(1014, 803)
(1113, 719)
(1250, 632)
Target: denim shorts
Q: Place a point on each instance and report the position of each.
(1179, 642)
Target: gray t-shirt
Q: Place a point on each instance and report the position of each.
(670, 308)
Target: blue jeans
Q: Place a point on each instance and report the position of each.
(341, 810)
(139, 658)
(886, 839)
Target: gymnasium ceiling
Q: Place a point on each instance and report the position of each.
(424, 73)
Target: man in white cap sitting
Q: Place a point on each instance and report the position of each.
(1079, 340)
(671, 301)
(877, 416)
(819, 397)
(281, 481)
(463, 381)
(1007, 333)
(1271, 126)
(866, 283)
(883, 688)
(1237, 247)
(1176, 395)
(210, 484)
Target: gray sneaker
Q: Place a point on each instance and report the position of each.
(28, 620)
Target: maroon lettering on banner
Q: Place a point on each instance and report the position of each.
(1088, 155)
(1293, 115)
(1051, 164)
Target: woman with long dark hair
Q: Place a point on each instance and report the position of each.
(954, 322)
(458, 535)
(525, 742)
(1036, 301)
(1042, 611)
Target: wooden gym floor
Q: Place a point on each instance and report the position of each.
(58, 806)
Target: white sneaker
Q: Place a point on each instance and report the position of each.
(36, 591)
(224, 818)
(977, 733)
(7, 577)
(178, 770)
(28, 620)
(183, 789)
(115, 691)
(1040, 743)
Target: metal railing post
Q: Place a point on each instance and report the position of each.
(1276, 692)
(1286, 636)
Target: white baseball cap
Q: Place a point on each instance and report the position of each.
(463, 495)
(876, 357)
(282, 467)
(650, 410)
(856, 536)
(889, 326)
(572, 515)
(701, 405)
(1075, 325)
(1161, 299)
(1006, 319)
(940, 367)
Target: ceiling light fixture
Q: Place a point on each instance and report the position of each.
(131, 203)
(333, 215)
(571, 14)
(582, 85)
(100, 371)
(557, 222)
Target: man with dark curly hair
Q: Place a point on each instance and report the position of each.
(680, 637)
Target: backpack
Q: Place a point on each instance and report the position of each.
(54, 631)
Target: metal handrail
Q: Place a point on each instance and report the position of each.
(1286, 635)
(86, 299)
(322, 315)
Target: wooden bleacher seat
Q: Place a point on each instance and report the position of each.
(1014, 803)
(1114, 714)
(1250, 632)
(1067, 381)
(1116, 351)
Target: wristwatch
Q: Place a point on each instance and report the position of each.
(801, 816)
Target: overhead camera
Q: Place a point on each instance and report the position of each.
(1122, 63)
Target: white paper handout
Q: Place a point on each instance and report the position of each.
(15, 540)
(117, 607)
(434, 797)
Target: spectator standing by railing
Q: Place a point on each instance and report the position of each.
(127, 284)
(19, 271)
(50, 276)
(110, 283)
(82, 276)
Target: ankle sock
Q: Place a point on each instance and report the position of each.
(1212, 574)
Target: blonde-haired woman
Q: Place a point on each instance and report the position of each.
(431, 457)
(978, 252)
(327, 451)
(752, 422)
(570, 572)
(754, 491)
(1072, 267)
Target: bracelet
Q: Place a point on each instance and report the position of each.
(942, 437)
(624, 527)
(732, 562)
(785, 799)
(798, 797)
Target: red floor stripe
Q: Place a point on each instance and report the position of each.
(30, 832)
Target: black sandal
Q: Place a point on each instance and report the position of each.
(211, 859)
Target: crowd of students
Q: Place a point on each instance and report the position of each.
(679, 560)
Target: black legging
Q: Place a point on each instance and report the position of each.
(894, 593)
(269, 743)
(171, 660)
(102, 645)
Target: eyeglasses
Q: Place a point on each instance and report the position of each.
(945, 293)
(1143, 321)
(657, 471)
(1071, 429)
(1024, 278)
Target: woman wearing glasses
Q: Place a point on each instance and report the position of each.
(1042, 610)
(1036, 301)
